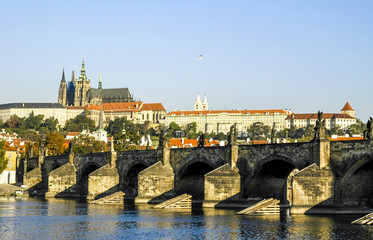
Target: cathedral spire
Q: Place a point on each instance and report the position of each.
(100, 82)
(83, 76)
(63, 76)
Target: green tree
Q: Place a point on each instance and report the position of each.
(3, 159)
(221, 136)
(79, 123)
(116, 126)
(88, 144)
(358, 128)
(191, 130)
(12, 122)
(258, 131)
(172, 129)
(34, 122)
(50, 124)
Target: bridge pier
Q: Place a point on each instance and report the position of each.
(62, 182)
(105, 180)
(157, 180)
(222, 186)
(312, 189)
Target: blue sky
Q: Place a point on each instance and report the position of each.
(302, 55)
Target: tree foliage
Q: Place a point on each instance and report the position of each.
(258, 131)
(88, 144)
(55, 143)
(358, 128)
(3, 159)
(79, 123)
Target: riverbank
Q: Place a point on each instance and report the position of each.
(8, 189)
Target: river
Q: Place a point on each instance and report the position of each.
(32, 218)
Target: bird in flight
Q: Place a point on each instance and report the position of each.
(200, 56)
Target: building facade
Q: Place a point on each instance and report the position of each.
(221, 120)
(344, 119)
(137, 112)
(49, 110)
(9, 174)
(78, 92)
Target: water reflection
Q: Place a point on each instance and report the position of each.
(71, 219)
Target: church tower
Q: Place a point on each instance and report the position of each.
(205, 105)
(82, 85)
(62, 93)
(198, 104)
(347, 109)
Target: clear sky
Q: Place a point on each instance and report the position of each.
(303, 55)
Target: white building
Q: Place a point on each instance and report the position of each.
(345, 118)
(221, 120)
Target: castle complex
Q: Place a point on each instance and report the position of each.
(78, 92)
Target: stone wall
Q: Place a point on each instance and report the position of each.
(311, 187)
(155, 181)
(222, 184)
(102, 182)
(62, 181)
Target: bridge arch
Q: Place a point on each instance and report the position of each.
(190, 177)
(82, 178)
(269, 178)
(129, 179)
(356, 186)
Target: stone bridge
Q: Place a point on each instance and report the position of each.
(308, 176)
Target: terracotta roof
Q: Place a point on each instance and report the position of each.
(228, 112)
(186, 143)
(347, 107)
(72, 134)
(9, 148)
(153, 107)
(92, 107)
(346, 138)
(315, 116)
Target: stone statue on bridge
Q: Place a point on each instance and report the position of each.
(273, 133)
(201, 140)
(161, 139)
(232, 136)
(320, 127)
(368, 134)
(42, 147)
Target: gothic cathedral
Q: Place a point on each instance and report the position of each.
(78, 92)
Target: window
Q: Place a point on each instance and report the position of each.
(10, 165)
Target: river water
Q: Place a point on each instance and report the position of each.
(31, 218)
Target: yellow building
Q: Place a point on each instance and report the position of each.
(9, 174)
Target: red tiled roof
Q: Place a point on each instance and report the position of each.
(153, 107)
(186, 143)
(228, 111)
(315, 116)
(347, 107)
(9, 148)
(122, 106)
(346, 138)
(72, 134)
